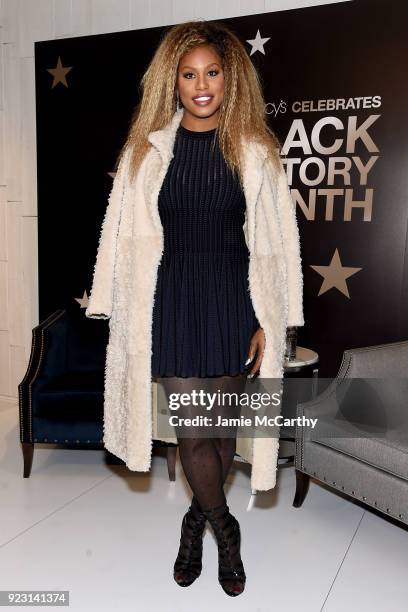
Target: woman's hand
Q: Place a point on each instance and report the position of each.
(256, 347)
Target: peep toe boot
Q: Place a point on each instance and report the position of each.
(231, 574)
(188, 564)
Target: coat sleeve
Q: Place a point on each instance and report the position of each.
(101, 298)
(291, 246)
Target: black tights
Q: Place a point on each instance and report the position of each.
(206, 461)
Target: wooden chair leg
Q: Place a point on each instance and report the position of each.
(302, 487)
(28, 453)
(171, 462)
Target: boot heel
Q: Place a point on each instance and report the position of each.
(188, 564)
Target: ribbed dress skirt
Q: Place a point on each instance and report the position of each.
(203, 317)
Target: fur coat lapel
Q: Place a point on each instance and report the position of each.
(124, 281)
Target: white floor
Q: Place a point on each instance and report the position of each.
(110, 536)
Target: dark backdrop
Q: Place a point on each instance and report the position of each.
(352, 51)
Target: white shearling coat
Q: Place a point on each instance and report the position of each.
(124, 281)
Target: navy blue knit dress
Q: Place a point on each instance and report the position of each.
(203, 317)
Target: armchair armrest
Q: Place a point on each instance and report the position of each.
(366, 399)
(40, 357)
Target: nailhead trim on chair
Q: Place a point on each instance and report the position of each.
(77, 441)
(30, 419)
(363, 497)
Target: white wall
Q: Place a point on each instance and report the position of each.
(21, 23)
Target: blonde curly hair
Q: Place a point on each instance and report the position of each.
(242, 111)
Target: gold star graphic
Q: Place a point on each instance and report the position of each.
(83, 301)
(59, 73)
(335, 275)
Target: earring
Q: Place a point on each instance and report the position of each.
(178, 101)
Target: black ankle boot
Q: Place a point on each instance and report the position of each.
(231, 574)
(188, 564)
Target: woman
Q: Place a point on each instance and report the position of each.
(203, 322)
